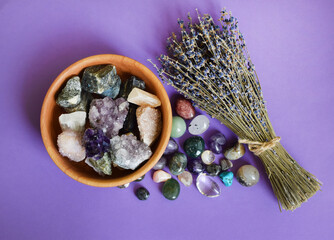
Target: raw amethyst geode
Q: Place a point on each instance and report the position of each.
(108, 115)
(96, 143)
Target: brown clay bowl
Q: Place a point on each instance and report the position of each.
(50, 128)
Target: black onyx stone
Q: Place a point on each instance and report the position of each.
(130, 123)
(213, 169)
(142, 193)
(129, 84)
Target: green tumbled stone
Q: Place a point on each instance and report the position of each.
(171, 189)
(177, 163)
(178, 127)
(194, 146)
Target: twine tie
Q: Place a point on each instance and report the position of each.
(259, 147)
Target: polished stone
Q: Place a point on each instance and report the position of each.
(177, 163)
(195, 166)
(161, 163)
(178, 127)
(184, 108)
(225, 164)
(227, 178)
(208, 157)
(199, 125)
(213, 169)
(186, 178)
(161, 176)
(142, 193)
(248, 175)
(194, 146)
(236, 152)
(216, 142)
(171, 189)
(172, 147)
(207, 186)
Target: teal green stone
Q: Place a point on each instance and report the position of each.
(227, 178)
(171, 189)
(178, 127)
(177, 163)
(194, 146)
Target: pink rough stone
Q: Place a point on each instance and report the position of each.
(186, 178)
(184, 108)
(70, 145)
(161, 176)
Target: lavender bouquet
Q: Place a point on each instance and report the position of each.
(211, 66)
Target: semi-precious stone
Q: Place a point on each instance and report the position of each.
(70, 145)
(171, 189)
(73, 121)
(70, 95)
(199, 125)
(225, 164)
(227, 178)
(213, 169)
(184, 108)
(161, 163)
(96, 143)
(129, 84)
(207, 186)
(248, 175)
(178, 127)
(124, 186)
(186, 178)
(86, 99)
(194, 146)
(130, 123)
(101, 166)
(143, 98)
(216, 142)
(208, 157)
(140, 179)
(177, 163)
(161, 176)
(172, 147)
(142, 193)
(236, 152)
(195, 166)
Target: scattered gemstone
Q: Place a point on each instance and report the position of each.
(70, 95)
(129, 84)
(172, 147)
(96, 143)
(184, 108)
(130, 123)
(127, 152)
(248, 175)
(101, 166)
(171, 189)
(149, 124)
(207, 186)
(178, 163)
(227, 178)
(216, 142)
(140, 179)
(208, 157)
(108, 114)
(236, 152)
(161, 163)
(225, 164)
(186, 178)
(143, 98)
(101, 79)
(195, 166)
(73, 121)
(199, 125)
(70, 145)
(124, 186)
(86, 99)
(194, 146)
(213, 169)
(178, 127)
(142, 193)
(161, 176)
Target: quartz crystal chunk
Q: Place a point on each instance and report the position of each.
(69, 144)
(70, 95)
(124, 186)
(129, 84)
(73, 121)
(149, 124)
(96, 143)
(199, 125)
(128, 152)
(101, 166)
(108, 114)
(161, 176)
(143, 98)
(101, 79)
(186, 178)
(86, 99)
(207, 186)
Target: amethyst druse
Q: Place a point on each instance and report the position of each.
(195, 166)
(96, 143)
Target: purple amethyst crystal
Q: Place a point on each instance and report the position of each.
(216, 142)
(96, 143)
(108, 115)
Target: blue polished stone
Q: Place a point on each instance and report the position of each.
(227, 178)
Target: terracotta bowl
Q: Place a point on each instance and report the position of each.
(50, 127)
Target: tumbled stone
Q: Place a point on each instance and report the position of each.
(143, 98)
(127, 152)
(70, 95)
(96, 143)
(216, 142)
(186, 178)
(149, 124)
(248, 175)
(236, 152)
(161, 176)
(108, 114)
(199, 125)
(101, 79)
(177, 163)
(86, 99)
(195, 166)
(101, 166)
(207, 186)
(140, 179)
(184, 108)
(130, 123)
(142, 193)
(171, 189)
(194, 146)
(227, 178)
(124, 186)
(225, 164)
(178, 127)
(213, 169)
(161, 163)
(208, 157)
(172, 147)
(129, 84)
(70, 145)
(73, 121)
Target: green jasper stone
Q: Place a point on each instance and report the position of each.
(178, 127)
(177, 164)
(194, 146)
(171, 189)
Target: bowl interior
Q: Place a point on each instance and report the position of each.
(50, 127)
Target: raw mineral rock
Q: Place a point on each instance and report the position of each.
(149, 124)
(128, 152)
(69, 144)
(101, 79)
(161, 176)
(129, 84)
(130, 123)
(86, 99)
(143, 98)
(73, 121)
(101, 166)
(186, 178)
(184, 108)
(108, 114)
(96, 143)
(70, 95)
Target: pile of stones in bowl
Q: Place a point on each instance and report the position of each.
(199, 158)
(123, 120)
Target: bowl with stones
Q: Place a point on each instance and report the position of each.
(106, 120)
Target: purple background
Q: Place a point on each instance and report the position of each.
(291, 44)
